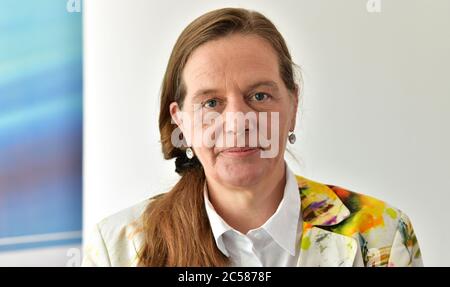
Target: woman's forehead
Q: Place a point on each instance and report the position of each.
(237, 58)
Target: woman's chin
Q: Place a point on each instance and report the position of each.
(241, 174)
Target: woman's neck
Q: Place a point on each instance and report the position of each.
(249, 208)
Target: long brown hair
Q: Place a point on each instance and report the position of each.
(176, 226)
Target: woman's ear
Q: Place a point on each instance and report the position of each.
(295, 97)
(177, 118)
(176, 114)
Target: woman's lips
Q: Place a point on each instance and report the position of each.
(240, 151)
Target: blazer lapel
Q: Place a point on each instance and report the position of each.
(322, 208)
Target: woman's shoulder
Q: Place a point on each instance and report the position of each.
(116, 239)
(356, 211)
(317, 195)
(124, 218)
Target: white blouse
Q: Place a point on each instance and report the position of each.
(272, 244)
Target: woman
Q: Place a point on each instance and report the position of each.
(237, 203)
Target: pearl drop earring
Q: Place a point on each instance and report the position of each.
(292, 138)
(189, 153)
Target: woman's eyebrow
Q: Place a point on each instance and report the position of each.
(270, 84)
(203, 92)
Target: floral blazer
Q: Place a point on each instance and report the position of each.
(340, 228)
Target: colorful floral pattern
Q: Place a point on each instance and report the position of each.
(367, 231)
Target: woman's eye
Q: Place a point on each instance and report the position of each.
(259, 97)
(212, 103)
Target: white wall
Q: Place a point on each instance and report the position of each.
(374, 119)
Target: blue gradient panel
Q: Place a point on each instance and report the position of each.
(40, 124)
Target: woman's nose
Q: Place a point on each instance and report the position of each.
(239, 117)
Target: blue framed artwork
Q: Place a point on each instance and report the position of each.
(40, 124)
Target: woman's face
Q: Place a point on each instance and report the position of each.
(231, 84)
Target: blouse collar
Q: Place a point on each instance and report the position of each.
(281, 226)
